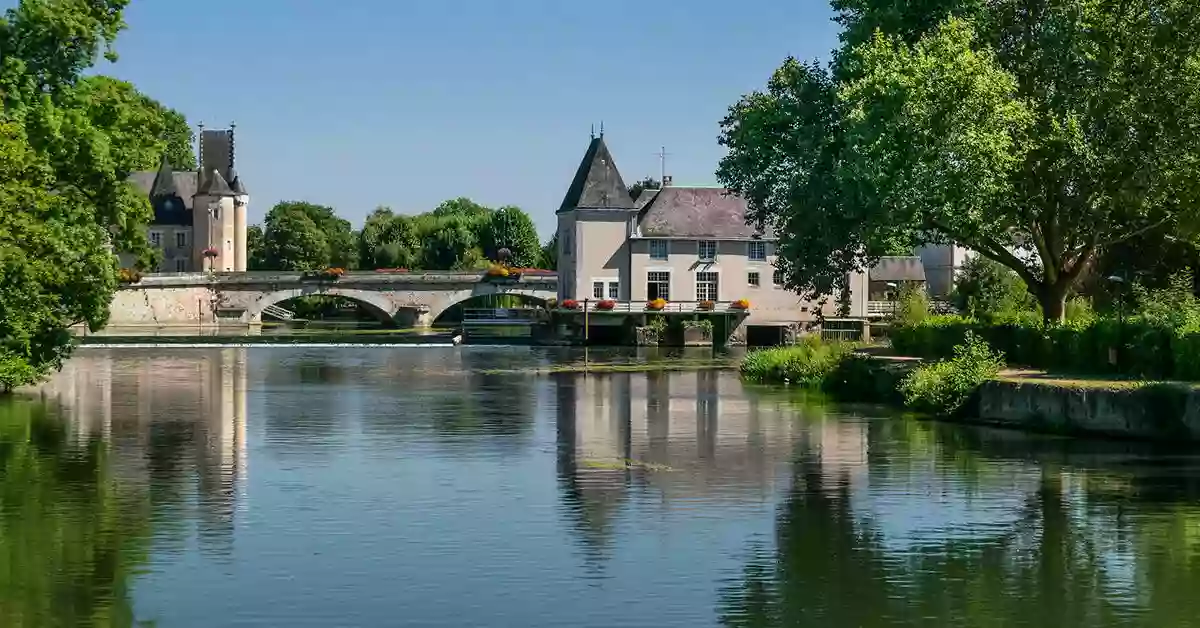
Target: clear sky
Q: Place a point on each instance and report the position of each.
(405, 103)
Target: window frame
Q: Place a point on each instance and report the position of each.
(701, 278)
(666, 249)
(180, 239)
(754, 279)
(701, 245)
(155, 237)
(658, 277)
(756, 245)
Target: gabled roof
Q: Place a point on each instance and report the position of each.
(215, 185)
(235, 183)
(597, 183)
(695, 213)
(164, 181)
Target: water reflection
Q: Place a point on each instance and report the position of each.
(174, 425)
(447, 487)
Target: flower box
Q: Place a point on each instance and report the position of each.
(740, 304)
(570, 304)
(606, 304)
(210, 252)
(656, 305)
(128, 275)
(706, 306)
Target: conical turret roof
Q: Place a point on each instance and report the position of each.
(597, 183)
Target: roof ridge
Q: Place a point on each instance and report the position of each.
(597, 183)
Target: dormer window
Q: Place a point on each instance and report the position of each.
(706, 250)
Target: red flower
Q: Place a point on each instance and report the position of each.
(606, 304)
(570, 304)
(210, 252)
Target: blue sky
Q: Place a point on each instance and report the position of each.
(405, 103)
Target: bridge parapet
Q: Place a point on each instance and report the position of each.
(259, 278)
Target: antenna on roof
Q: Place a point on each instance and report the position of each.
(593, 130)
(662, 165)
(602, 129)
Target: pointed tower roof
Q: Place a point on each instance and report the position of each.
(215, 185)
(597, 183)
(164, 181)
(235, 183)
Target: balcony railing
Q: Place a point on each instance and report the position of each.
(879, 309)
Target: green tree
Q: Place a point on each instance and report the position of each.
(293, 241)
(140, 129)
(256, 252)
(305, 236)
(461, 206)
(986, 288)
(649, 183)
(388, 240)
(64, 191)
(1039, 136)
(549, 257)
(513, 229)
(451, 243)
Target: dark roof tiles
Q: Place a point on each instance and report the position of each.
(897, 268)
(695, 212)
(597, 183)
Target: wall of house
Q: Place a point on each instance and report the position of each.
(218, 233)
(601, 251)
(769, 302)
(942, 263)
(566, 255)
(176, 243)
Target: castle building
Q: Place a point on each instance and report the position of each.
(683, 244)
(195, 211)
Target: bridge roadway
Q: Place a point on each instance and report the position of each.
(408, 299)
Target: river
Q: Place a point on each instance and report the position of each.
(431, 486)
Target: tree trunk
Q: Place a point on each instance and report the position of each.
(1053, 299)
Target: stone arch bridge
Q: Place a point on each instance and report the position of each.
(409, 299)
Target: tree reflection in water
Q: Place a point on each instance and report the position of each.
(1069, 559)
(71, 537)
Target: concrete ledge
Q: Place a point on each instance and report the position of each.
(1149, 411)
(175, 280)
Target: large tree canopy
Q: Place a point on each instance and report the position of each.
(297, 235)
(1038, 134)
(67, 145)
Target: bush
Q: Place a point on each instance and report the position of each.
(912, 305)
(986, 288)
(810, 362)
(944, 387)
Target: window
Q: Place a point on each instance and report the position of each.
(658, 249)
(707, 249)
(597, 289)
(156, 239)
(758, 251)
(180, 239)
(614, 290)
(706, 286)
(180, 264)
(777, 278)
(752, 279)
(606, 288)
(566, 242)
(658, 286)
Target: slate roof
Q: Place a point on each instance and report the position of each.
(235, 183)
(695, 213)
(215, 185)
(597, 183)
(898, 268)
(171, 198)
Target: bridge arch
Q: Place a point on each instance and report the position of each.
(378, 304)
(525, 297)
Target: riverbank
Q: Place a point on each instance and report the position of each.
(1017, 399)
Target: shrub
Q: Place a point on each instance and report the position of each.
(912, 305)
(986, 288)
(128, 275)
(808, 362)
(944, 387)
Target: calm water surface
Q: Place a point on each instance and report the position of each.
(419, 487)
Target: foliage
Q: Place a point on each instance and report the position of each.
(912, 305)
(985, 288)
(649, 183)
(512, 229)
(256, 252)
(944, 387)
(72, 538)
(606, 304)
(67, 145)
(1039, 136)
(141, 131)
(809, 362)
(740, 304)
(569, 304)
(549, 256)
(656, 304)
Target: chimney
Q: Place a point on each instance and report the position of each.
(666, 180)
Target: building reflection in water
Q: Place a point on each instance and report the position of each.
(684, 440)
(175, 424)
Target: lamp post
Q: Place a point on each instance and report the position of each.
(1115, 357)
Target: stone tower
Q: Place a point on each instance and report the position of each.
(219, 206)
